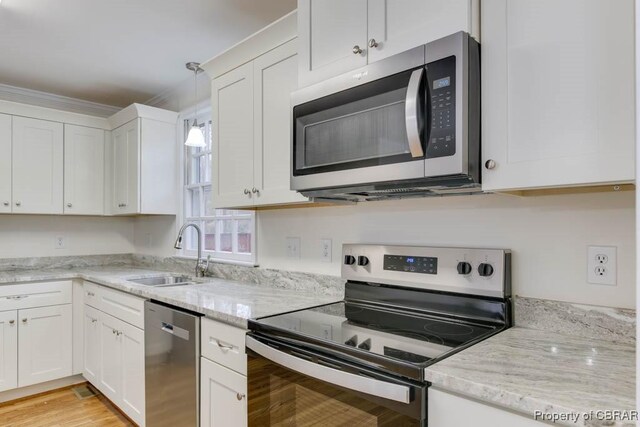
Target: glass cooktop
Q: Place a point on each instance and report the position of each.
(406, 336)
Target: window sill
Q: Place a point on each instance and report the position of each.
(219, 261)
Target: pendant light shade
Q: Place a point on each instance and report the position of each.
(195, 138)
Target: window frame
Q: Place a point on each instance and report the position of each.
(219, 216)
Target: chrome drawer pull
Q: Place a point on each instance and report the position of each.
(239, 396)
(224, 347)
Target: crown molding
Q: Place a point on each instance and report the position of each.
(57, 102)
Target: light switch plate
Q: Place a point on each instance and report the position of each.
(325, 250)
(602, 265)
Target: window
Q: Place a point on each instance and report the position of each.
(227, 234)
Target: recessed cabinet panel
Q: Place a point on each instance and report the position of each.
(37, 166)
(332, 37)
(556, 104)
(399, 25)
(126, 157)
(223, 396)
(5, 163)
(232, 102)
(110, 358)
(8, 350)
(91, 351)
(276, 76)
(44, 348)
(83, 170)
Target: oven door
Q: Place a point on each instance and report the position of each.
(290, 386)
(374, 132)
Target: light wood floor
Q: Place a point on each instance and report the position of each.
(61, 408)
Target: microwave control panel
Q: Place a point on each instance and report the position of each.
(442, 91)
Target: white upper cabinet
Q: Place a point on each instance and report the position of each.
(399, 25)
(5, 163)
(557, 93)
(332, 38)
(338, 36)
(37, 174)
(142, 168)
(232, 109)
(125, 168)
(251, 113)
(275, 77)
(83, 170)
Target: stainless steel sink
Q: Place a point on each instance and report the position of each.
(163, 281)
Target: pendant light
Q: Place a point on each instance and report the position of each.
(195, 138)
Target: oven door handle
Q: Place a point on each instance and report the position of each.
(385, 390)
(411, 109)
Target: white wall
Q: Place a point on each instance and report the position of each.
(34, 235)
(155, 235)
(548, 236)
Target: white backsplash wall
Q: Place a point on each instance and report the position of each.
(548, 236)
(35, 235)
(155, 235)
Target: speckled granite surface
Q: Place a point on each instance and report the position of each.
(577, 320)
(226, 300)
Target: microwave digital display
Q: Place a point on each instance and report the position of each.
(443, 82)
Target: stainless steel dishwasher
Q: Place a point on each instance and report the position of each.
(172, 366)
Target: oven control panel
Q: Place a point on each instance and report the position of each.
(461, 270)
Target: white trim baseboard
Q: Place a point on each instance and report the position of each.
(19, 393)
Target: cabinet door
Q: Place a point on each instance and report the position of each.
(44, 348)
(132, 399)
(110, 369)
(5, 163)
(126, 158)
(329, 31)
(399, 25)
(232, 105)
(37, 166)
(91, 351)
(552, 114)
(8, 350)
(83, 170)
(450, 410)
(275, 77)
(223, 396)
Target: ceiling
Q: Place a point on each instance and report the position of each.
(116, 52)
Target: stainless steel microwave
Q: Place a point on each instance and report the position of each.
(405, 126)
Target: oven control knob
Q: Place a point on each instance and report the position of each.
(349, 259)
(366, 344)
(464, 268)
(363, 260)
(353, 341)
(485, 270)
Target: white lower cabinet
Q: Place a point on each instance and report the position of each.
(450, 410)
(8, 350)
(223, 396)
(44, 347)
(114, 350)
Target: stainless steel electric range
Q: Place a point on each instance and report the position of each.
(362, 361)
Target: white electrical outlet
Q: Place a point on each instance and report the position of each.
(293, 247)
(602, 265)
(60, 242)
(325, 250)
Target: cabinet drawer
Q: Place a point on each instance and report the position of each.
(29, 295)
(120, 305)
(224, 344)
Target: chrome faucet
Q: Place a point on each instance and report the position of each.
(201, 265)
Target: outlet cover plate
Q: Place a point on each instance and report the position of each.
(293, 247)
(602, 265)
(325, 250)
(60, 242)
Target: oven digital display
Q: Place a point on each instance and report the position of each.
(440, 83)
(411, 264)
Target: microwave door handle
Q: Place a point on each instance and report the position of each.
(385, 390)
(411, 108)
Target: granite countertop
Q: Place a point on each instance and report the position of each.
(225, 300)
(528, 370)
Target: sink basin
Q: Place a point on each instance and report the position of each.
(163, 281)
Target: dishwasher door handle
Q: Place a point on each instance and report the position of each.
(175, 330)
(372, 386)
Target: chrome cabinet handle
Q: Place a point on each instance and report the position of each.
(11, 322)
(18, 203)
(17, 297)
(373, 43)
(254, 190)
(69, 205)
(91, 294)
(490, 164)
(6, 203)
(122, 205)
(239, 396)
(24, 320)
(411, 113)
(247, 191)
(94, 320)
(225, 347)
(357, 50)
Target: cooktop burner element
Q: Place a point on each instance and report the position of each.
(398, 319)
